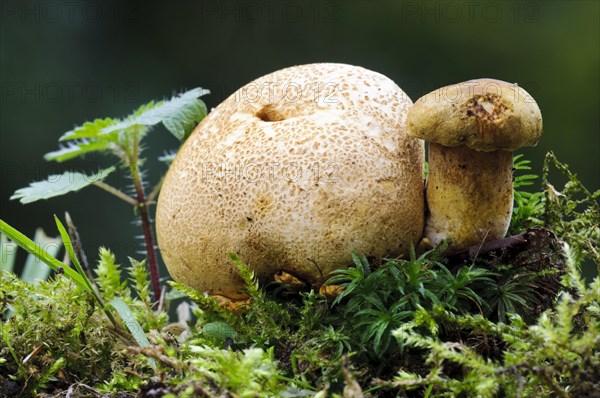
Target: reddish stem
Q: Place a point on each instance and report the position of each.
(148, 238)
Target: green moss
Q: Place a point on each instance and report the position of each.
(519, 320)
(54, 321)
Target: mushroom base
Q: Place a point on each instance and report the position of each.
(469, 196)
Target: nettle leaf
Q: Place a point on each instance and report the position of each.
(77, 148)
(179, 115)
(56, 185)
(89, 129)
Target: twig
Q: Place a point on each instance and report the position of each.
(77, 247)
(504, 243)
(177, 365)
(153, 353)
(352, 388)
(509, 242)
(162, 301)
(474, 250)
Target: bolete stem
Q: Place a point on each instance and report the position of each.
(472, 129)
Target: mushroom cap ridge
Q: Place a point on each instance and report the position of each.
(483, 114)
(293, 172)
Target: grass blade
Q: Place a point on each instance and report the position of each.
(132, 324)
(129, 320)
(31, 247)
(35, 270)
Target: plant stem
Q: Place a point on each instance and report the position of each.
(116, 192)
(148, 238)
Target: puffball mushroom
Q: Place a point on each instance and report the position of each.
(293, 172)
(472, 129)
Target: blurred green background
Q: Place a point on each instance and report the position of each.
(62, 63)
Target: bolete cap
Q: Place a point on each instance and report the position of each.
(483, 114)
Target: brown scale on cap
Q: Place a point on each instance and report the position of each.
(293, 172)
(487, 108)
(472, 127)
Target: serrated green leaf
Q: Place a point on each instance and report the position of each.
(179, 115)
(88, 129)
(77, 148)
(56, 185)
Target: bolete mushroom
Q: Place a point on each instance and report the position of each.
(293, 172)
(472, 129)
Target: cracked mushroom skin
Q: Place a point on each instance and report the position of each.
(472, 129)
(293, 172)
